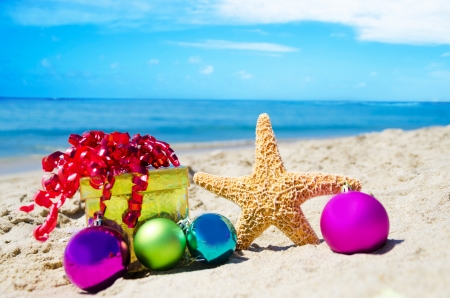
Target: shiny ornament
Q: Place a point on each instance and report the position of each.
(211, 238)
(354, 222)
(159, 244)
(95, 257)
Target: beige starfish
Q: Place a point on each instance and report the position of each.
(271, 195)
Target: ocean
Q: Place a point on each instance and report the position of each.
(39, 126)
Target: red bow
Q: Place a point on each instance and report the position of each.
(99, 156)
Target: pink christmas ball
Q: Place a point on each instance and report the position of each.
(354, 222)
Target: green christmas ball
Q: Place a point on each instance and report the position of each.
(159, 244)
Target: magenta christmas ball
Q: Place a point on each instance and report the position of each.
(95, 257)
(354, 222)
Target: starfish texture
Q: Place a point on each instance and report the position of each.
(271, 195)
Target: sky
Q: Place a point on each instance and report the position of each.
(226, 49)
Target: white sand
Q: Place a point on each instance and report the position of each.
(409, 172)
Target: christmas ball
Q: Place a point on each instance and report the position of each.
(354, 222)
(159, 244)
(95, 257)
(211, 238)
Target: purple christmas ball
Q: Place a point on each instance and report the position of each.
(95, 257)
(354, 222)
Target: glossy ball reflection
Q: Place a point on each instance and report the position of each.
(354, 222)
(159, 244)
(211, 238)
(95, 257)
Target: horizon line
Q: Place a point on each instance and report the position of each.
(223, 99)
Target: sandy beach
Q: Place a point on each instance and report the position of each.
(408, 172)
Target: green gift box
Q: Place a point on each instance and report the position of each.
(166, 196)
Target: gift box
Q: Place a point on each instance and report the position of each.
(166, 196)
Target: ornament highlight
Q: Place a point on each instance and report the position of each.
(211, 238)
(159, 244)
(95, 257)
(354, 222)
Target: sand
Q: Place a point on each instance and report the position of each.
(408, 172)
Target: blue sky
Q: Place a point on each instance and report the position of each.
(228, 49)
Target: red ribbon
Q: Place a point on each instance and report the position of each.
(99, 156)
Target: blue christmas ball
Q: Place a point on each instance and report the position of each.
(211, 238)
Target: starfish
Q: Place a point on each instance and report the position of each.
(270, 195)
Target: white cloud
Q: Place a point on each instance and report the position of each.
(65, 12)
(360, 85)
(446, 54)
(373, 74)
(401, 21)
(207, 70)
(258, 31)
(338, 35)
(194, 59)
(433, 65)
(272, 55)
(243, 75)
(114, 14)
(440, 74)
(45, 63)
(232, 45)
(114, 65)
(153, 61)
(55, 39)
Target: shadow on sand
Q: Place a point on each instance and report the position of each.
(390, 244)
(236, 258)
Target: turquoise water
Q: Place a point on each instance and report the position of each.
(40, 126)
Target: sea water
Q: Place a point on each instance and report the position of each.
(39, 126)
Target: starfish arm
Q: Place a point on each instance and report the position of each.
(267, 157)
(311, 185)
(271, 195)
(250, 225)
(226, 187)
(295, 226)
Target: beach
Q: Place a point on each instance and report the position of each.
(407, 171)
